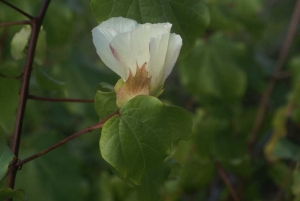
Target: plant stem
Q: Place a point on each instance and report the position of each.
(225, 179)
(14, 23)
(35, 26)
(60, 99)
(17, 9)
(279, 65)
(86, 130)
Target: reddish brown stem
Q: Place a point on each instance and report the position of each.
(12, 77)
(35, 25)
(17, 9)
(279, 65)
(14, 23)
(225, 179)
(86, 130)
(60, 99)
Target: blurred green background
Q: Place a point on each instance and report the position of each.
(220, 83)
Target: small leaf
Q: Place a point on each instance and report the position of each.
(19, 43)
(189, 18)
(46, 82)
(287, 150)
(17, 195)
(6, 156)
(180, 122)
(138, 139)
(41, 48)
(105, 103)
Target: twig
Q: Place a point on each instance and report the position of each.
(14, 23)
(86, 130)
(268, 91)
(60, 99)
(282, 75)
(17, 9)
(225, 179)
(12, 77)
(36, 24)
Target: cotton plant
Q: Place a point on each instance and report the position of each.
(143, 55)
(144, 131)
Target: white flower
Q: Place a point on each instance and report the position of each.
(123, 45)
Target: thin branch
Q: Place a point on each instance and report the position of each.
(86, 130)
(17, 9)
(282, 75)
(60, 99)
(15, 23)
(225, 179)
(268, 91)
(12, 77)
(35, 25)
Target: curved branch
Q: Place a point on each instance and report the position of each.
(15, 23)
(225, 179)
(279, 65)
(17, 9)
(86, 130)
(60, 99)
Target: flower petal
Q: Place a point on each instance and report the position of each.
(158, 50)
(133, 47)
(103, 35)
(174, 46)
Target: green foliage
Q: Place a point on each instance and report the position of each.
(220, 84)
(6, 155)
(46, 82)
(287, 150)
(189, 18)
(17, 195)
(9, 90)
(140, 137)
(152, 184)
(296, 183)
(211, 71)
(105, 103)
(19, 43)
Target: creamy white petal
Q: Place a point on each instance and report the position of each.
(133, 47)
(103, 35)
(103, 50)
(118, 24)
(158, 50)
(174, 46)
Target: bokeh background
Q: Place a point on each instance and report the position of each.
(220, 83)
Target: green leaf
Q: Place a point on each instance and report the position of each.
(17, 195)
(197, 175)
(180, 122)
(211, 71)
(287, 150)
(189, 18)
(46, 82)
(105, 103)
(19, 43)
(152, 184)
(6, 156)
(138, 139)
(296, 183)
(41, 48)
(9, 93)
